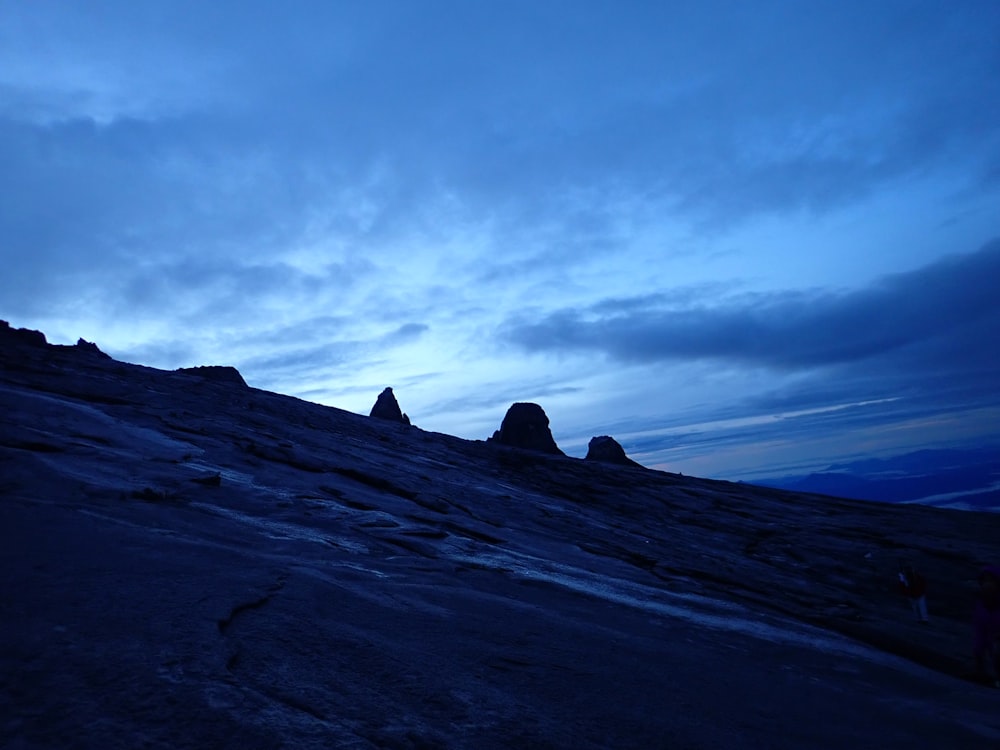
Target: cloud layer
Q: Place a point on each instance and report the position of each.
(950, 305)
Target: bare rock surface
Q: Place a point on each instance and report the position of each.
(227, 567)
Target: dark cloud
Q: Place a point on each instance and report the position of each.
(949, 306)
(91, 207)
(719, 124)
(905, 359)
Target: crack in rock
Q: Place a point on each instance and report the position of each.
(225, 623)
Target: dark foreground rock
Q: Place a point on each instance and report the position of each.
(220, 567)
(91, 348)
(526, 426)
(24, 336)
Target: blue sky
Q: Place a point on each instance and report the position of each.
(742, 238)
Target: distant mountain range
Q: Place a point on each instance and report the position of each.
(966, 479)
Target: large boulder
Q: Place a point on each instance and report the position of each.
(606, 449)
(526, 426)
(386, 407)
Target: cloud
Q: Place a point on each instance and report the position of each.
(750, 381)
(357, 123)
(406, 333)
(86, 205)
(930, 307)
(339, 348)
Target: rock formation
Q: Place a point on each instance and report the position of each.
(91, 347)
(526, 426)
(606, 449)
(386, 407)
(218, 373)
(22, 335)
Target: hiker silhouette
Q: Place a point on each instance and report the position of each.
(914, 587)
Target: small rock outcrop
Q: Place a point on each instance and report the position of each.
(21, 335)
(606, 449)
(526, 426)
(386, 407)
(217, 373)
(91, 348)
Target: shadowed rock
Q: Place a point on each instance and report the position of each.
(22, 335)
(218, 373)
(606, 449)
(298, 575)
(90, 347)
(386, 407)
(526, 426)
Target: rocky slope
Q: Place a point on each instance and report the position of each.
(192, 562)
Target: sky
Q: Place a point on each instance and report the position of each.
(741, 238)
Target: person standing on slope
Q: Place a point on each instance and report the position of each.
(986, 625)
(914, 587)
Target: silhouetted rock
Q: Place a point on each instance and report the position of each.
(89, 346)
(526, 426)
(22, 335)
(386, 407)
(606, 449)
(218, 373)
